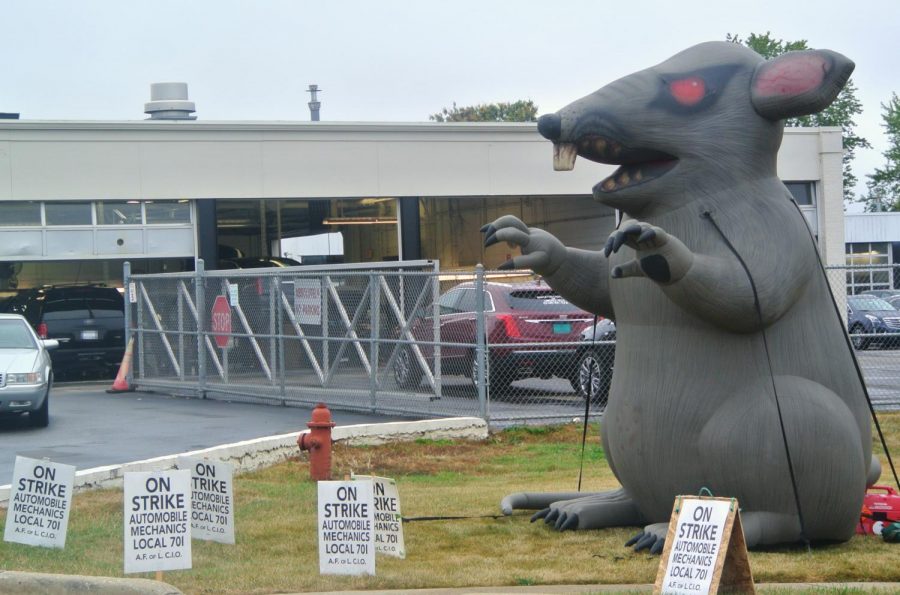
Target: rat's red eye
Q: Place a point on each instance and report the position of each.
(688, 91)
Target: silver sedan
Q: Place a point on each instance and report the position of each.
(25, 370)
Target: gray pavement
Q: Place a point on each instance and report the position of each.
(90, 427)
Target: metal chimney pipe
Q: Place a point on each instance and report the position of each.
(169, 101)
(314, 105)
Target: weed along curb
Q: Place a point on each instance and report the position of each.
(263, 452)
(12, 582)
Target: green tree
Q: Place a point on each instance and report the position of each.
(884, 184)
(840, 113)
(518, 111)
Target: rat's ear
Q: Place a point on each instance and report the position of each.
(798, 83)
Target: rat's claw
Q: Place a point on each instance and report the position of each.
(507, 266)
(551, 516)
(607, 250)
(560, 521)
(634, 539)
(490, 239)
(646, 542)
(657, 547)
(540, 514)
(571, 523)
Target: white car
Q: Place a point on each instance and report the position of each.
(26, 373)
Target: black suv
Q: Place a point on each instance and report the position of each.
(87, 320)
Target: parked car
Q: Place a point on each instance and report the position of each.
(596, 356)
(891, 296)
(87, 320)
(515, 315)
(872, 320)
(257, 262)
(26, 372)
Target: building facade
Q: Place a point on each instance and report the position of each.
(78, 199)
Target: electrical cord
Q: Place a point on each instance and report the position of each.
(756, 304)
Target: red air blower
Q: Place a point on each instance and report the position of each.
(879, 510)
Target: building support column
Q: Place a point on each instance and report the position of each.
(206, 228)
(410, 238)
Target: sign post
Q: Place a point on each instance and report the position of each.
(705, 549)
(220, 322)
(39, 503)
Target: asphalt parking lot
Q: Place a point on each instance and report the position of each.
(91, 428)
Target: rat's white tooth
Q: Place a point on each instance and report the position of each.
(564, 156)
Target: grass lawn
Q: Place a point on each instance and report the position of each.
(277, 547)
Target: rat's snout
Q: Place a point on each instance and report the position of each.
(550, 126)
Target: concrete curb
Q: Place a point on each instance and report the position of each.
(263, 452)
(12, 582)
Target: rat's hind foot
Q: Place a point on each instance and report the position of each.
(592, 511)
(652, 538)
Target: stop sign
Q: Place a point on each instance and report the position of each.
(220, 321)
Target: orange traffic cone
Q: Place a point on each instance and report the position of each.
(120, 384)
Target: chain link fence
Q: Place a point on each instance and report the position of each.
(866, 295)
(406, 338)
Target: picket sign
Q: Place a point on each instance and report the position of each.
(388, 518)
(705, 551)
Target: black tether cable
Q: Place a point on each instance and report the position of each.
(862, 380)
(756, 304)
(587, 402)
(452, 518)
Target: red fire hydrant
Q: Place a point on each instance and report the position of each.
(318, 442)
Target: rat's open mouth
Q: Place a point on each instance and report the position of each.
(637, 166)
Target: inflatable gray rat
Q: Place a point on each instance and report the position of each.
(733, 371)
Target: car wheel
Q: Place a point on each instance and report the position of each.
(407, 372)
(41, 417)
(593, 377)
(859, 342)
(497, 381)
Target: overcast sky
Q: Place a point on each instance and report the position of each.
(387, 60)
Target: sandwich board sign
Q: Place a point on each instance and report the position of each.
(388, 519)
(212, 499)
(157, 520)
(346, 535)
(39, 502)
(705, 549)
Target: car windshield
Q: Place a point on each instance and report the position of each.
(14, 334)
(869, 303)
(539, 300)
(104, 303)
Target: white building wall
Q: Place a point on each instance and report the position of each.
(257, 160)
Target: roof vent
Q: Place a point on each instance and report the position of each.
(168, 101)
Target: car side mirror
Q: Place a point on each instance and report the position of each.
(50, 343)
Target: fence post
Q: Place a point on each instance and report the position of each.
(180, 303)
(480, 347)
(200, 299)
(280, 322)
(126, 281)
(374, 334)
(436, 316)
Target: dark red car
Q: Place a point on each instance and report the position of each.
(531, 332)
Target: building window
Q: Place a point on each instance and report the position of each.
(68, 213)
(119, 213)
(803, 192)
(168, 211)
(869, 267)
(20, 213)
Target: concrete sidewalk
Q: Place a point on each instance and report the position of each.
(16, 583)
